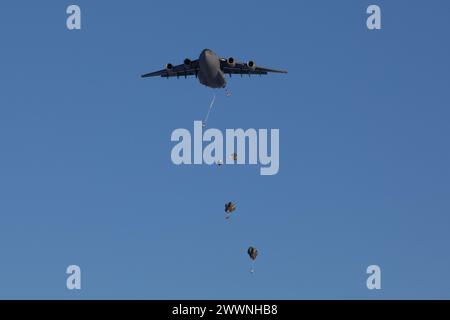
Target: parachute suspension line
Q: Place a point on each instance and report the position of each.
(209, 110)
(252, 270)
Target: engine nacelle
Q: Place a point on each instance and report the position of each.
(169, 66)
(251, 65)
(231, 62)
(187, 62)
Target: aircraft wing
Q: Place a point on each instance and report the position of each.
(181, 70)
(243, 68)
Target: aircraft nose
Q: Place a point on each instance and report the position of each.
(205, 53)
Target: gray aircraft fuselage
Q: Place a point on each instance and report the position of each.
(210, 73)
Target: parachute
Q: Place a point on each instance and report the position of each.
(252, 252)
(229, 208)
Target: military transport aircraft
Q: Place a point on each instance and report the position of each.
(210, 69)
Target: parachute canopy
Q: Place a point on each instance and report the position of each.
(230, 207)
(252, 252)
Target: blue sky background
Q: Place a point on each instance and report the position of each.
(86, 176)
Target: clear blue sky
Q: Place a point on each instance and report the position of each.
(86, 176)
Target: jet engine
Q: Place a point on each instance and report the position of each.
(169, 66)
(187, 62)
(231, 62)
(251, 65)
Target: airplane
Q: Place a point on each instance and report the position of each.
(210, 69)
